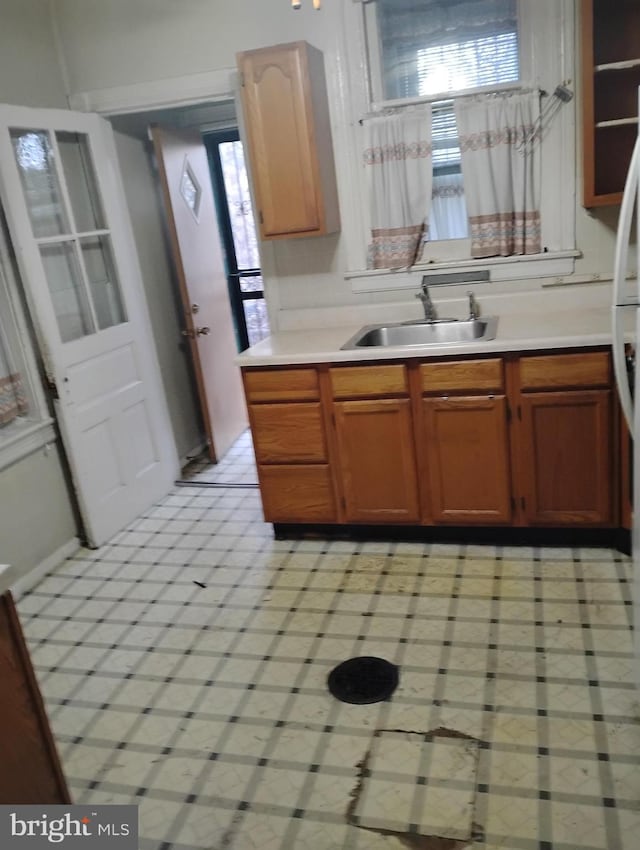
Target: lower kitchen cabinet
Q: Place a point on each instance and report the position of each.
(377, 461)
(467, 453)
(521, 439)
(297, 493)
(566, 464)
(30, 770)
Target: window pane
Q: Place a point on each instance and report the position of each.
(81, 181)
(37, 168)
(103, 282)
(67, 292)
(432, 46)
(236, 184)
(251, 284)
(255, 313)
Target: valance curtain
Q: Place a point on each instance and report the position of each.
(499, 146)
(12, 398)
(397, 160)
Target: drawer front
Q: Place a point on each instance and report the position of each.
(297, 494)
(281, 385)
(288, 433)
(369, 381)
(560, 371)
(462, 375)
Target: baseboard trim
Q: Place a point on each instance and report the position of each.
(29, 580)
(496, 535)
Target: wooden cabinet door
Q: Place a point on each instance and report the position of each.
(467, 452)
(567, 464)
(377, 460)
(297, 493)
(30, 770)
(288, 433)
(290, 150)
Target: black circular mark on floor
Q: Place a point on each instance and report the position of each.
(364, 680)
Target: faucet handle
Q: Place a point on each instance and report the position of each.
(474, 309)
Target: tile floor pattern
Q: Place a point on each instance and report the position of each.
(237, 467)
(184, 664)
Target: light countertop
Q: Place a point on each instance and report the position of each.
(515, 332)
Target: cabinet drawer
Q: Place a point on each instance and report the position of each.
(281, 385)
(560, 371)
(297, 494)
(288, 433)
(368, 381)
(465, 375)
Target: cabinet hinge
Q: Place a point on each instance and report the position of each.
(260, 217)
(343, 502)
(519, 413)
(522, 502)
(508, 413)
(513, 503)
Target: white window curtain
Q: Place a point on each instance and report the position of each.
(398, 163)
(449, 218)
(13, 402)
(499, 145)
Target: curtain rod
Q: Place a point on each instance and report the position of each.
(389, 107)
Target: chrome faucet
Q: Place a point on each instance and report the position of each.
(474, 309)
(430, 312)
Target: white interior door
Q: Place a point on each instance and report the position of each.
(69, 223)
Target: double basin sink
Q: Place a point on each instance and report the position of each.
(438, 332)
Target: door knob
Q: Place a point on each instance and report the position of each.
(192, 334)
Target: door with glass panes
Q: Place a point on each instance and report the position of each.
(69, 224)
(239, 236)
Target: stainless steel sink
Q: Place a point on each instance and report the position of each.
(407, 334)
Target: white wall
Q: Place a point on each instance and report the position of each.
(29, 69)
(124, 42)
(36, 517)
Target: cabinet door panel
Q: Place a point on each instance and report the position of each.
(30, 772)
(567, 466)
(288, 433)
(468, 459)
(297, 494)
(377, 460)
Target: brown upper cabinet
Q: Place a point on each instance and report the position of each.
(286, 113)
(610, 40)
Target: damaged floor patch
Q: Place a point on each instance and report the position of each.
(416, 784)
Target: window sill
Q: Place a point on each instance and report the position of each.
(20, 439)
(551, 264)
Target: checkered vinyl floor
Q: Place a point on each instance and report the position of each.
(237, 467)
(184, 664)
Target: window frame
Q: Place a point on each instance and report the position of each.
(547, 44)
(27, 435)
(374, 64)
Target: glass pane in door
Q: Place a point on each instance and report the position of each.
(81, 181)
(255, 312)
(236, 185)
(68, 294)
(103, 282)
(37, 168)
